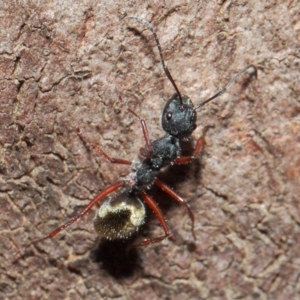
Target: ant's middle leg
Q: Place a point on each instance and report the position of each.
(113, 160)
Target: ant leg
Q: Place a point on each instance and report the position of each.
(106, 156)
(187, 159)
(112, 159)
(108, 190)
(159, 215)
(181, 201)
(149, 151)
(199, 145)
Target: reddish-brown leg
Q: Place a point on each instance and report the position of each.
(149, 151)
(106, 156)
(187, 159)
(182, 201)
(158, 213)
(108, 190)
(113, 160)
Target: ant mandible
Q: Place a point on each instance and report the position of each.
(123, 209)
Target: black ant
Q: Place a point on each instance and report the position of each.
(123, 212)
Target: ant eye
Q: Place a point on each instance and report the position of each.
(168, 116)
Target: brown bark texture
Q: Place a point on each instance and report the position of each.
(80, 64)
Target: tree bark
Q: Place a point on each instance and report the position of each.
(81, 64)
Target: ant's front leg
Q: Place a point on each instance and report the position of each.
(147, 152)
(199, 145)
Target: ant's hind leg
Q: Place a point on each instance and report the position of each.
(102, 195)
(159, 215)
(176, 197)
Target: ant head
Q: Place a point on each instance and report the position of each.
(179, 117)
(120, 216)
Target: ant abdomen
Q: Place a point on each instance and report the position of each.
(120, 216)
(179, 117)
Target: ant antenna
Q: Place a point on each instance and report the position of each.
(229, 84)
(166, 70)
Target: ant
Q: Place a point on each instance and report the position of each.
(123, 209)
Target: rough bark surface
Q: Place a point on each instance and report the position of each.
(65, 64)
